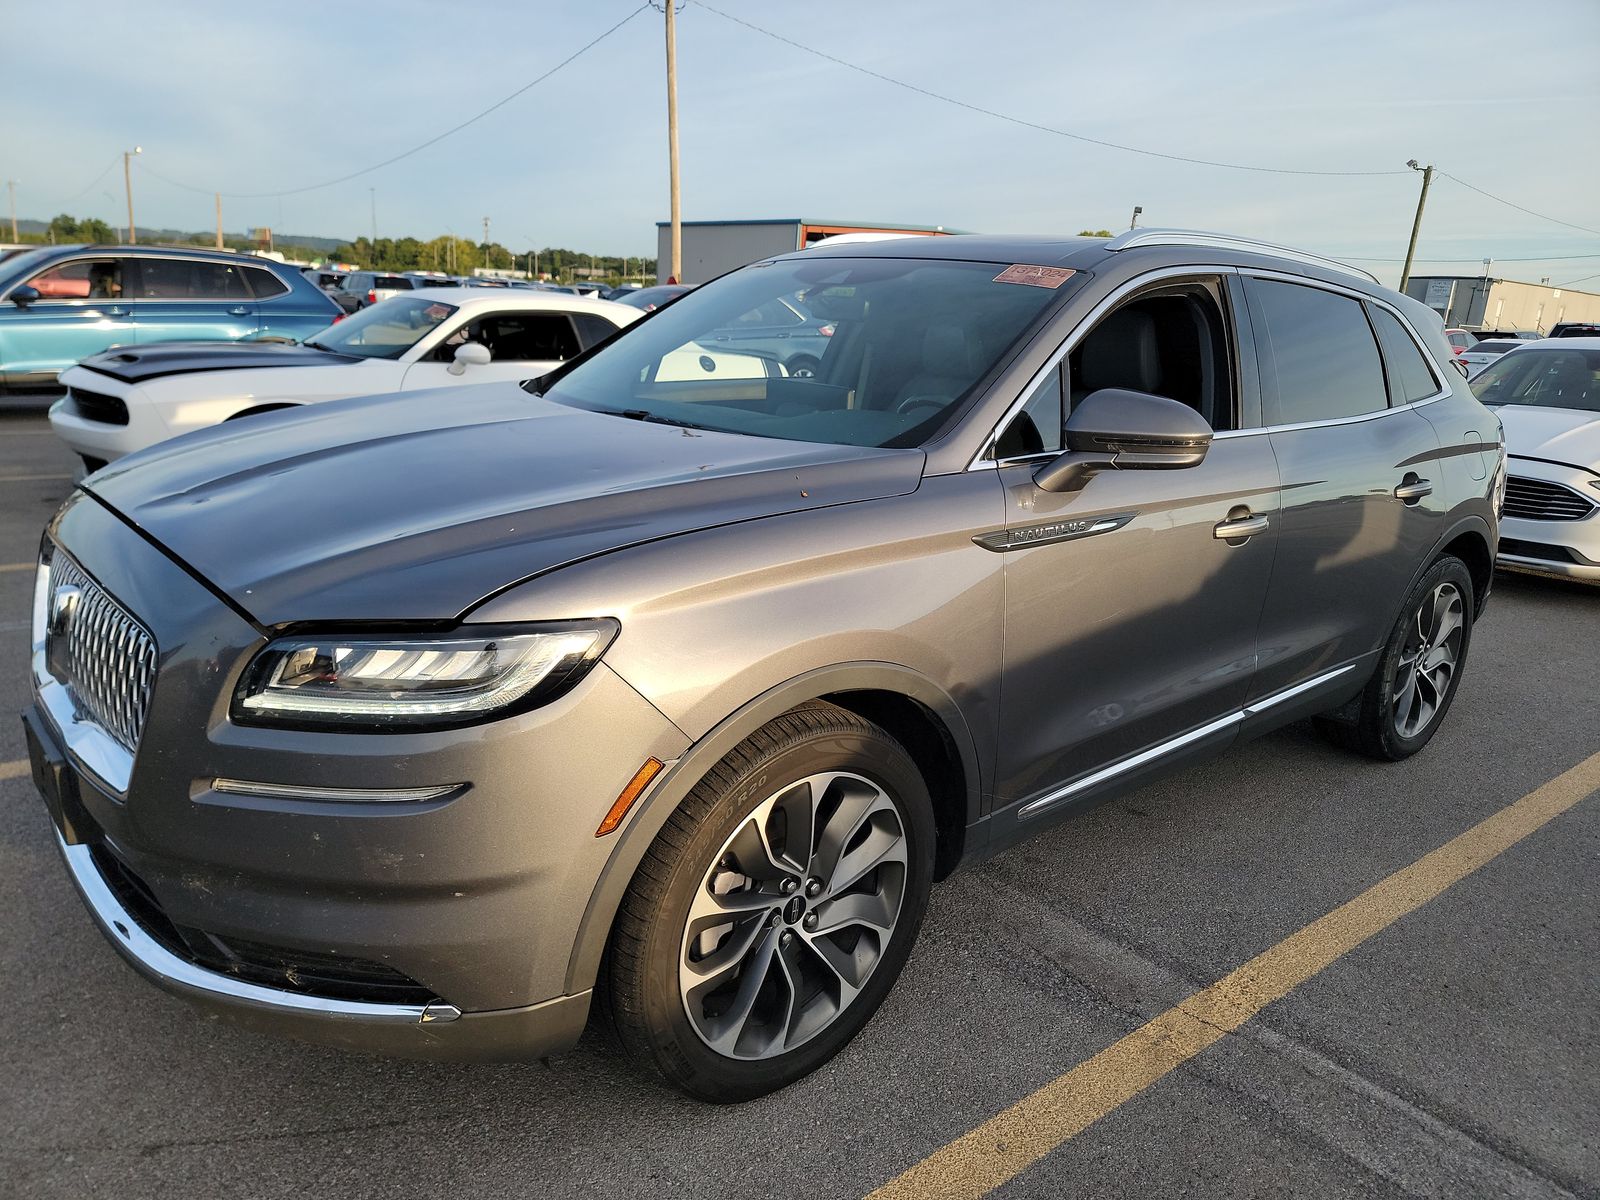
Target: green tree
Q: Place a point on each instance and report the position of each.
(1095, 233)
(93, 229)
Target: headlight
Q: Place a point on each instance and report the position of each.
(416, 680)
(1595, 483)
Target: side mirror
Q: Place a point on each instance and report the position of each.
(24, 295)
(1115, 429)
(469, 354)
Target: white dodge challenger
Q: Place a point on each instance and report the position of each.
(131, 397)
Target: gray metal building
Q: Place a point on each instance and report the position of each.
(711, 248)
(1484, 302)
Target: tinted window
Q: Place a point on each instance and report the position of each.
(264, 283)
(393, 283)
(1321, 348)
(1409, 376)
(517, 337)
(592, 329)
(82, 279)
(1462, 339)
(1038, 427)
(186, 279)
(386, 329)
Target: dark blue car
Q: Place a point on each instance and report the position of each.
(59, 304)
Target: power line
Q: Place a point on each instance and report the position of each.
(989, 112)
(1478, 259)
(1518, 207)
(96, 180)
(454, 129)
(1582, 279)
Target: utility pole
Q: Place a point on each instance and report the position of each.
(372, 196)
(486, 261)
(1416, 225)
(127, 184)
(11, 186)
(672, 141)
(219, 220)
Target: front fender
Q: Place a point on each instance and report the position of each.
(651, 812)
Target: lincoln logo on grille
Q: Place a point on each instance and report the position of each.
(63, 604)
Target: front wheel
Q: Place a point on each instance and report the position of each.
(776, 908)
(1419, 671)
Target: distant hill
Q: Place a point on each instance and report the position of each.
(323, 244)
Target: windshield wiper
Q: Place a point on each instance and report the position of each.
(642, 414)
(317, 346)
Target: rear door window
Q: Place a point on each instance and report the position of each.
(1320, 352)
(592, 329)
(186, 279)
(1410, 379)
(517, 337)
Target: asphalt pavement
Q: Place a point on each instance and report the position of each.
(1455, 1053)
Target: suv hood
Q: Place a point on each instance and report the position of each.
(419, 506)
(134, 364)
(1567, 435)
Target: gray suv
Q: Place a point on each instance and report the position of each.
(664, 687)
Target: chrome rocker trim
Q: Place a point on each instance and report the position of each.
(1050, 799)
(163, 967)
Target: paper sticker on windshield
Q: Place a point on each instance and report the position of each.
(1045, 277)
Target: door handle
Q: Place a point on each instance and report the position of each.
(1238, 528)
(241, 311)
(1413, 489)
(116, 312)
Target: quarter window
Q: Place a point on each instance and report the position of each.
(264, 283)
(1322, 352)
(1037, 429)
(187, 279)
(1410, 379)
(592, 329)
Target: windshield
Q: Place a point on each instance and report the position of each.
(24, 262)
(385, 330)
(1548, 378)
(868, 351)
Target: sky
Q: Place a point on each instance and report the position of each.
(274, 98)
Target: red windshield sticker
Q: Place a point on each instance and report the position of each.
(1045, 277)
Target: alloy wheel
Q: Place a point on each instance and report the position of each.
(793, 916)
(1428, 661)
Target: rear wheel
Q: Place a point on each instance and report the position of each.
(1415, 682)
(802, 366)
(776, 908)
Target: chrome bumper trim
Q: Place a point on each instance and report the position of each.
(163, 967)
(294, 791)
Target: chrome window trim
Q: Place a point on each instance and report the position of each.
(161, 965)
(1161, 750)
(983, 460)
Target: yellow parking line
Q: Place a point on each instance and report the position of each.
(11, 770)
(29, 478)
(1011, 1141)
(4, 567)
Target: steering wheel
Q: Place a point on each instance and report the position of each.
(910, 403)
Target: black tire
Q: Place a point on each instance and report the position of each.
(802, 366)
(1371, 725)
(642, 1000)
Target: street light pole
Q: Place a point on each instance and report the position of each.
(486, 261)
(1416, 225)
(1137, 209)
(127, 184)
(672, 141)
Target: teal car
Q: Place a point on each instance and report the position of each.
(59, 304)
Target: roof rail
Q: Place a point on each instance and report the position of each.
(1225, 241)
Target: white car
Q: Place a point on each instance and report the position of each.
(1547, 395)
(128, 398)
(1475, 358)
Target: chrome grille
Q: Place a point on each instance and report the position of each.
(1537, 500)
(109, 660)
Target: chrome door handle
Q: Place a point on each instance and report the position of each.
(1413, 490)
(116, 312)
(1241, 527)
(241, 311)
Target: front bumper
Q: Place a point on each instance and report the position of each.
(103, 439)
(466, 906)
(1570, 549)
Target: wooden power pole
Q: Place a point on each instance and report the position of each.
(127, 184)
(676, 274)
(11, 187)
(1416, 225)
(219, 220)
